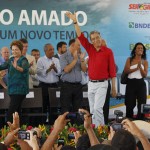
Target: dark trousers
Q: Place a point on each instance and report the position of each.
(15, 106)
(45, 95)
(70, 97)
(106, 105)
(135, 90)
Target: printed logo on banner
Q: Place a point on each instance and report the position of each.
(139, 25)
(139, 6)
(131, 46)
(131, 24)
(141, 9)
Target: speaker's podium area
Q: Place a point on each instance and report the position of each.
(32, 106)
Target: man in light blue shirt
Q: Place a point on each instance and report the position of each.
(72, 63)
(5, 54)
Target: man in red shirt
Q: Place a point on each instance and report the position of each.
(101, 67)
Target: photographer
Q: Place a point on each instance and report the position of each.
(29, 140)
(31, 144)
(131, 127)
(124, 139)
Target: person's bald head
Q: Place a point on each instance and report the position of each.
(5, 53)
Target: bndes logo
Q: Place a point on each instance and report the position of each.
(139, 25)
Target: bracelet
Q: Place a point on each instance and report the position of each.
(75, 22)
(82, 60)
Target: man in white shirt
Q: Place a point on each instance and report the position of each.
(5, 54)
(48, 69)
(31, 60)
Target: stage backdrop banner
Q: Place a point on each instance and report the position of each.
(122, 23)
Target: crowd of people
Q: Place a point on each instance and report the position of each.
(122, 139)
(67, 70)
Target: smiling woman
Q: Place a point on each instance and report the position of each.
(18, 75)
(136, 67)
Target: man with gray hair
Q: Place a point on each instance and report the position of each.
(48, 69)
(5, 53)
(101, 67)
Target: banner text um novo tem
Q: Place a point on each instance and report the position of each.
(35, 34)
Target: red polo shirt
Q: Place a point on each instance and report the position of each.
(101, 64)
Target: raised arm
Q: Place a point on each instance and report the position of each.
(87, 126)
(73, 17)
(59, 125)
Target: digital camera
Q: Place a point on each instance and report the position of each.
(119, 116)
(117, 126)
(24, 135)
(71, 136)
(145, 108)
(75, 115)
(61, 142)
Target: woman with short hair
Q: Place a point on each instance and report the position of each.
(18, 75)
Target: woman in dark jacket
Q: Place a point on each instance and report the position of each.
(18, 75)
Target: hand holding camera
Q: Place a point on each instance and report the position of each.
(25, 135)
(31, 138)
(60, 122)
(87, 118)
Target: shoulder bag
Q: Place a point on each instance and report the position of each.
(124, 78)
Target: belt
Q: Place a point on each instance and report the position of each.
(55, 83)
(98, 80)
(73, 83)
